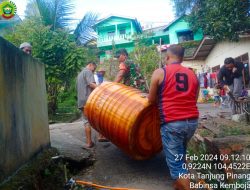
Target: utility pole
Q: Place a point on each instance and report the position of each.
(160, 56)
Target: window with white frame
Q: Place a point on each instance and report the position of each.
(185, 36)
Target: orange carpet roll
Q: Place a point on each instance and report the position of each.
(125, 117)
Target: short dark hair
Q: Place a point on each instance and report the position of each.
(177, 50)
(91, 62)
(229, 60)
(121, 52)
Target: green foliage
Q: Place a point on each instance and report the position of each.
(146, 56)
(190, 44)
(57, 15)
(46, 28)
(57, 50)
(67, 110)
(183, 7)
(219, 19)
(190, 47)
(111, 65)
(24, 32)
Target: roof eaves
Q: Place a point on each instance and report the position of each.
(109, 16)
(134, 20)
(171, 23)
(193, 57)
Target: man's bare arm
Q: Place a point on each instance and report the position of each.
(119, 76)
(93, 85)
(154, 85)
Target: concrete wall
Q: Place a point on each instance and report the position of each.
(24, 127)
(223, 50)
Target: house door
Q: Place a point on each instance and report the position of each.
(245, 60)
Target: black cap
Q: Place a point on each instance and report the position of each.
(121, 51)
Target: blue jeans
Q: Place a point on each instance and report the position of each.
(175, 136)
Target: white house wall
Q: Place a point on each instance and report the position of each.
(223, 50)
(197, 65)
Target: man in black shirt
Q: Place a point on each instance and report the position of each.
(231, 75)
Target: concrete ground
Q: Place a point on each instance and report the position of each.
(114, 168)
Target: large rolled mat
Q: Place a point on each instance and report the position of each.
(126, 118)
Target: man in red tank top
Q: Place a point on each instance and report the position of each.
(175, 89)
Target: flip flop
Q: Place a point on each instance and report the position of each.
(103, 140)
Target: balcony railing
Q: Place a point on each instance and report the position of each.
(121, 38)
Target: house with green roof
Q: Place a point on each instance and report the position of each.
(179, 31)
(157, 35)
(116, 30)
(120, 31)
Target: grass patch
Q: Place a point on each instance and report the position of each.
(64, 117)
(233, 130)
(67, 110)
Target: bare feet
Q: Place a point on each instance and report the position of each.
(102, 138)
(88, 146)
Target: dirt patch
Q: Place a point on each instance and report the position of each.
(47, 171)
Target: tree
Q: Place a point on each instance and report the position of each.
(84, 31)
(183, 7)
(57, 15)
(47, 26)
(219, 19)
(57, 50)
(146, 56)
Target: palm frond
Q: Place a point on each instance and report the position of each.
(84, 31)
(56, 13)
(64, 11)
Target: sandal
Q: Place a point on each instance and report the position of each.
(103, 140)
